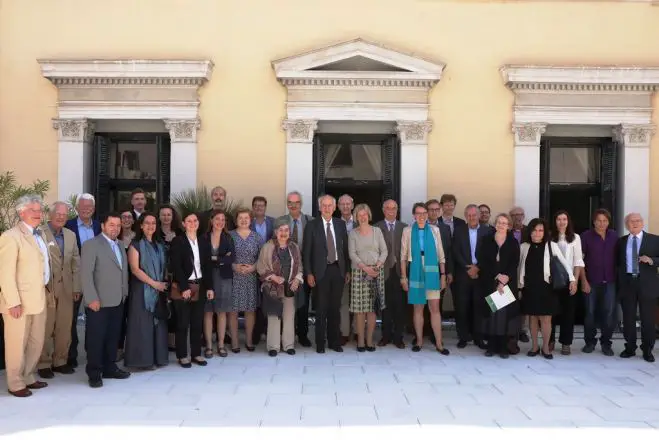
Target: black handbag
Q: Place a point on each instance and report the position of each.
(558, 276)
(162, 312)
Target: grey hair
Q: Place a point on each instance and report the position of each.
(348, 197)
(471, 206)
(220, 188)
(294, 193)
(630, 215)
(54, 205)
(326, 196)
(28, 199)
(516, 208)
(85, 196)
(390, 201)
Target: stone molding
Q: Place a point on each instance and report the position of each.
(413, 132)
(300, 130)
(634, 135)
(74, 130)
(182, 130)
(126, 72)
(528, 135)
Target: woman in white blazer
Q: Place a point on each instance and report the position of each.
(539, 301)
(562, 233)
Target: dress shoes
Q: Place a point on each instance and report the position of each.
(399, 345)
(95, 383)
(45, 373)
(116, 374)
(383, 342)
(462, 343)
(304, 341)
(320, 350)
(648, 356)
(64, 369)
(37, 385)
(337, 348)
(626, 354)
(21, 393)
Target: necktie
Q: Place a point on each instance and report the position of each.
(294, 234)
(117, 254)
(635, 255)
(391, 258)
(331, 248)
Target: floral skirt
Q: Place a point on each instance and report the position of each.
(366, 295)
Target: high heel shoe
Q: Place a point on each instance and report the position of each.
(361, 349)
(443, 351)
(547, 355)
(532, 353)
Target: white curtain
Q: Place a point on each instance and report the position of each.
(330, 154)
(374, 155)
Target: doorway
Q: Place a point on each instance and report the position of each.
(366, 167)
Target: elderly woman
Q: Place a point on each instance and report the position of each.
(280, 269)
(368, 252)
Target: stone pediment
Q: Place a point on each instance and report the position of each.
(357, 63)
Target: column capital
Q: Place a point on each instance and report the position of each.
(74, 130)
(413, 132)
(634, 135)
(299, 130)
(528, 134)
(182, 130)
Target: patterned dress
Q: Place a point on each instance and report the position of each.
(245, 297)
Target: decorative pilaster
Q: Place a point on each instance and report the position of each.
(299, 130)
(413, 164)
(413, 132)
(183, 153)
(74, 130)
(75, 156)
(299, 157)
(527, 166)
(634, 141)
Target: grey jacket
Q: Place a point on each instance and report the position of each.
(103, 279)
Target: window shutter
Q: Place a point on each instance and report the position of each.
(318, 172)
(102, 175)
(608, 176)
(544, 164)
(163, 178)
(391, 169)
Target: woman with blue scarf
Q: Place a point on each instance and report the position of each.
(421, 248)
(146, 338)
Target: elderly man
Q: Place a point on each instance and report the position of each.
(638, 259)
(346, 205)
(24, 273)
(62, 291)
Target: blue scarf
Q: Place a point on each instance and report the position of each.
(152, 262)
(424, 271)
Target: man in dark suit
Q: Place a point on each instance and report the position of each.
(85, 228)
(326, 263)
(466, 293)
(637, 261)
(393, 316)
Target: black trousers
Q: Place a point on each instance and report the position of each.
(631, 297)
(189, 327)
(393, 316)
(73, 348)
(565, 317)
(302, 315)
(2, 343)
(124, 326)
(327, 302)
(467, 299)
(102, 331)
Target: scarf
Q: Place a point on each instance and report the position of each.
(152, 262)
(424, 269)
(278, 290)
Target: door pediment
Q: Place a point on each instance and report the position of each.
(357, 63)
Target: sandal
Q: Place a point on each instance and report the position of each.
(250, 348)
(208, 353)
(565, 350)
(222, 352)
(235, 350)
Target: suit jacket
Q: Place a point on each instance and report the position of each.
(269, 227)
(103, 278)
(304, 219)
(457, 222)
(649, 275)
(447, 240)
(490, 266)
(65, 271)
(314, 253)
(182, 262)
(393, 248)
(72, 225)
(21, 271)
(461, 247)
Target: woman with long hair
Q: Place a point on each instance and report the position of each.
(169, 226)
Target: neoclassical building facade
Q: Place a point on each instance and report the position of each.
(492, 102)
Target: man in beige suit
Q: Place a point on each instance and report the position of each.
(62, 290)
(24, 273)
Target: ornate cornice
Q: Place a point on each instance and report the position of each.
(299, 130)
(182, 130)
(130, 82)
(352, 82)
(413, 132)
(634, 135)
(74, 130)
(528, 135)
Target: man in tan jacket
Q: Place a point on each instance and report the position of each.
(24, 273)
(62, 290)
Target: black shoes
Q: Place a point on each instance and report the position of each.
(272, 353)
(117, 374)
(290, 351)
(304, 341)
(45, 373)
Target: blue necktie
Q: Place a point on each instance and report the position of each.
(635, 270)
(117, 254)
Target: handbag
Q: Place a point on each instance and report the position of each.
(175, 291)
(558, 276)
(162, 312)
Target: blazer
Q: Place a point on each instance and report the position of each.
(182, 262)
(304, 219)
(461, 247)
(447, 244)
(103, 278)
(457, 221)
(21, 271)
(65, 271)
(314, 254)
(269, 227)
(490, 266)
(649, 275)
(406, 245)
(524, 251)
(226, 255)
(72, 225)
(393, 249)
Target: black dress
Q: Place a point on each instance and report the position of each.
(538, 297)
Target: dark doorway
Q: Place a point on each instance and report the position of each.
(126, 161)
(364, 166)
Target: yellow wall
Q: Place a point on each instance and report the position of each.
(243, 104)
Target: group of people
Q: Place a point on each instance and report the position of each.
(153, 282)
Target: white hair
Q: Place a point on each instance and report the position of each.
(326, 196)
(294, 193)
(54, 205)
(221, 188)
(471, 206)
(346, 197)
(28, 199)
(85, 196)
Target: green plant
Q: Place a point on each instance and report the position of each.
(11, 191)
(72, 205)
(199, 200)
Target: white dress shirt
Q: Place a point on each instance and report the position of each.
(196, 273)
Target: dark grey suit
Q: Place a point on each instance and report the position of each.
(104, 279)
(393, 316)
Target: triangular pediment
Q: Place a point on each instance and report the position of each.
(357, 59)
